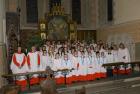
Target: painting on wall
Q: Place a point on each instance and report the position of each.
(57, 28)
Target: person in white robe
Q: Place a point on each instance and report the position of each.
(47, 45)
(19, 65)
(57, 66)
(40, 50)
(82, 67)
(102, 49)
(110, 59)
(67, 64)
(93, 51)
(109, 56)
(33, 60)
(93, 44)
(103, 61)
(59, 45)
(115, 58)
(81, 49)
(44, 61)
(97, 66)
(74, 59)
(51, 56)
(124, 56)
(90, 66)
(115, 54)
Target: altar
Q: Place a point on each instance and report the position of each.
(57, 25)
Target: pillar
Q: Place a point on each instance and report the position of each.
(2, 41)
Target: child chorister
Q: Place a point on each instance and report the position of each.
(115, 54)
(57, 65)
(50, 57)
(102, 61)
(115, 58)
(109, 57)
(90, 67)
(124, 56)
(82, 68)
(67, 64)
(33, 60)
(97, 64)
(44, 61)
(74, 59)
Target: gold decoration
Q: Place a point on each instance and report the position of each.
(57, 9)
(73, 30)
(42, 25)
(59, 26)
(43, 35)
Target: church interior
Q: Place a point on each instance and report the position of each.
(69, 46)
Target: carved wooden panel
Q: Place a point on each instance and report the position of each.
(11, 31)
(86, 35)
(26, 36)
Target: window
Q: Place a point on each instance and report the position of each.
(32, 11)
(76, 11)
(110, 10)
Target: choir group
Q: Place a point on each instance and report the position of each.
(85, 58)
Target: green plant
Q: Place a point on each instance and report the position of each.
(34, 40)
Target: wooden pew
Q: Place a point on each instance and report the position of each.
(29, 74)
(118, 64)
(121, 63)
(133, 64)
(113, 64)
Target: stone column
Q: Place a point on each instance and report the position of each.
(83, 13)
(92, 14)
(43, 8)
(102, 12)
(2, 17)
(40, 9)
(2, 44)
